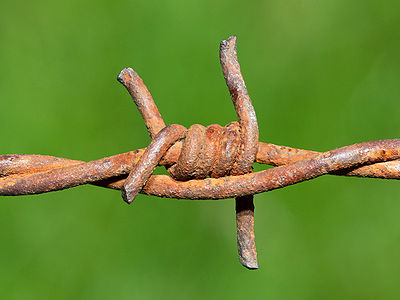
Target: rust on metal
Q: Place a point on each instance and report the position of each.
(212, 162)
(150, 159)
(143, 100)
(247, 152)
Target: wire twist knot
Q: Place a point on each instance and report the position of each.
(213, 151)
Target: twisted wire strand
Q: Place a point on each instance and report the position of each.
(28, 174)
(212, 162)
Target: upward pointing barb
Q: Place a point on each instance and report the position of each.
(143, 100)
(247, 154)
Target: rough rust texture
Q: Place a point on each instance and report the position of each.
(113, 169)
(247, 153)
(212, 162)
(150, 159)
(143, 100)
(231, 150)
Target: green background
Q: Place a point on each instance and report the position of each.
(321, 74)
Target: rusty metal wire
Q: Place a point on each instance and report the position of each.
(212, 162)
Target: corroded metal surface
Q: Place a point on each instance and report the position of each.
(143, 100)
(31, 166)
(212, 162)
(247, 152)
(23, 174)
(150, 159)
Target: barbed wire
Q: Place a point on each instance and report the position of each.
(212, 162)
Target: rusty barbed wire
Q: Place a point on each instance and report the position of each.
(212, 162)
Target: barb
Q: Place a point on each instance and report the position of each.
(247, 153)
(212, 162)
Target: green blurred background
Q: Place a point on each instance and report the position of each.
(321, 74)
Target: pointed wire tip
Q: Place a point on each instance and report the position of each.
(228, 43)
(250, 265)
(125, 196)
(126, 72)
